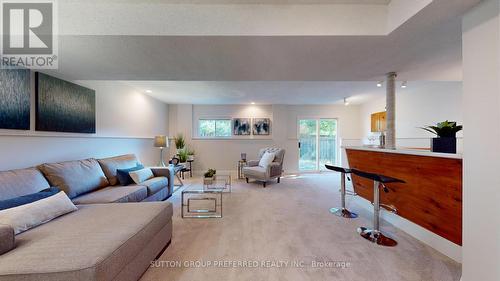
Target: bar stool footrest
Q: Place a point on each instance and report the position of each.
(350, 193)
(344, 213)
(375, 236)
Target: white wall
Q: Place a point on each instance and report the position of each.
(126, 121)
(223, 154)
(481, 194)
(420, 104)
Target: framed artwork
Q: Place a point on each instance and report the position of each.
(62, 106)
(15, 97)
(241, 126)
(261, 126)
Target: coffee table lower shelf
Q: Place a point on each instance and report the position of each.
(201, 203)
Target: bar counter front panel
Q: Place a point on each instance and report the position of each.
(431, 196)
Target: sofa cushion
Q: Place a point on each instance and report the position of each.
(97, 242)
(155, 184)
(110, 165)
(75, 177)
(26, 199)
(114, 194)
(7, 238)
(31, 215)
(123, 175)
(17, 183)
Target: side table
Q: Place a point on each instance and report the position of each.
(241, 165)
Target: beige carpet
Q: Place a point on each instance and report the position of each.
(289, 225)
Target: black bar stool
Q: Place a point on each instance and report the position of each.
(342, 212)
(375, 235)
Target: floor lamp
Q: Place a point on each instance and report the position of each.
(161, 142)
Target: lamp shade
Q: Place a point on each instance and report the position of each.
(161, 141)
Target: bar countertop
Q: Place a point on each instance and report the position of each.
(409, 151)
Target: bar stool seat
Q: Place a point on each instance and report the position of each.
(375, 235)
(338, 169)
(376, 177)
(343, 211)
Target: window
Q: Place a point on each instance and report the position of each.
(214, 128)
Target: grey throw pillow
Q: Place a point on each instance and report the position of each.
(7, 238)
(31, 215)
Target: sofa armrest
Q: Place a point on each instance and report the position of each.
(253, 163)
(167, 172)
(274, 169)
(7, 239)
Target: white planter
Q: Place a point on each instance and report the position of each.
(208, 181)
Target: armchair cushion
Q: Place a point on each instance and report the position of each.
(253, 163)
(255, 172)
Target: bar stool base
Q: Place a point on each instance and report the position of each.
(344, 213)
(376, 237)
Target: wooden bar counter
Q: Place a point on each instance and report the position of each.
(432, 194)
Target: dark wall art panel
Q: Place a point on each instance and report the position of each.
(261, 126)
(15, 99)
(241, 126)
(62, 106)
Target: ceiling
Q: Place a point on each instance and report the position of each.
(260, 92)
(245, 2)
(299, 69)
(426, 47)
(370, 2)
(268, 92)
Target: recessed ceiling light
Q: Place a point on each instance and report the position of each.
(404, 84)
(252, 103)
(346, 102)
(379, 84)
(148, 91)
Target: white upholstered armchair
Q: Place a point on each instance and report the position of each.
(273, 171)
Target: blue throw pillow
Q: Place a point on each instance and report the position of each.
(123, 175)
(27, 199)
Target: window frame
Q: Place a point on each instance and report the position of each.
(215, 136)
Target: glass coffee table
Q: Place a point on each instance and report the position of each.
(220, 181)
(198, 202)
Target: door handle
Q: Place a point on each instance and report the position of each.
(299, 144)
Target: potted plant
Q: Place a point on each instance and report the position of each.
(446, 140)
(180, 142)
(190, 153)
(209, 177)
(183, 156)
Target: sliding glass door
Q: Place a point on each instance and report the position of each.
(317, 143)
(308, 156)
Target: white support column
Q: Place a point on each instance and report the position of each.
(481, 189)
(390, 139)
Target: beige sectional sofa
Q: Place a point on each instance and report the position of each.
(101, 184)
(103, 239)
